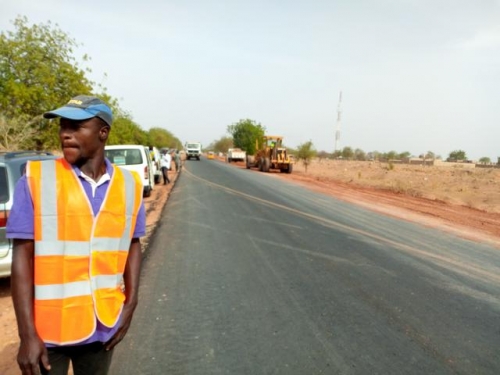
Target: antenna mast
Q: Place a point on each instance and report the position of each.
(337, 132)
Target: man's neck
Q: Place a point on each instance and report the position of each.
(94, 169)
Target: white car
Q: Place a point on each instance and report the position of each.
(134, 158)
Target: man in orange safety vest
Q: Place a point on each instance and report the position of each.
(75, 224)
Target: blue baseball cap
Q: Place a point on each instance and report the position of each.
(83, 107)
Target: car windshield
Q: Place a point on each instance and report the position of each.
(124, 156)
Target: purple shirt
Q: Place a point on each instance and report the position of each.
(20, 225)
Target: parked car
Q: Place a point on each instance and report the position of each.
(135, 158)
(12, 167)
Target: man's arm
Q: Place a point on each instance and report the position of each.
(131, 280)
(32, 350)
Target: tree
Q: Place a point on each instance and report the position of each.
(391, 155)
(457, 155)
(124, 131)
(38, 72)
(373, 155)
(404, 155)
(337, 154)
(159, 137)
(347, 153)
(37, 69)
(485, 160)
(430, 155)
(245, 134)
(222, 144)
(359, 154)
(14, 133)
(305, 153)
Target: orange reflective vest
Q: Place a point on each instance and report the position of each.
(79, 259)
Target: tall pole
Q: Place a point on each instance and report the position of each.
(337, 132)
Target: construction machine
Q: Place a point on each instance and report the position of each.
(270, 154)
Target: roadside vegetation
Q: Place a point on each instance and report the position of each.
(244, 134)
(39, 72)
(306, 153)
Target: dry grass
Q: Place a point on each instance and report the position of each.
(472, 187)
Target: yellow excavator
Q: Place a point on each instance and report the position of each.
(270, 155)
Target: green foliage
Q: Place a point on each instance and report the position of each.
(37, 69)
(359, 154)
(37, 72)
(337, 154)
(347, 153)
(14, 133)
(222, 144)
(404, 155)
(125, 131)
(159, 137)
(305, 153)
(458, 155)
(46, 135)
(391, 155)
(485, 160)
(430, 155)
(245, 133)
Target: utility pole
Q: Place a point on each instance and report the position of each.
(337, 132)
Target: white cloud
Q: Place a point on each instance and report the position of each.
(483, 39)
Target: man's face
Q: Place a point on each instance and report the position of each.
(82, 140)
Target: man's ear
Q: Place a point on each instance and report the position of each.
(104, 133)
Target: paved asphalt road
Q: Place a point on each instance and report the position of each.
(248, 274)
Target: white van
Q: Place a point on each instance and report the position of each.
(193, 150)
(135, 158)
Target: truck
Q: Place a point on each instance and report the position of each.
(270, 154)
(236, 154)
(193, 150)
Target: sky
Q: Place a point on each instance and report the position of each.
(415, 75)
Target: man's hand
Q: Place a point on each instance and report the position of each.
(131, 281)
(126, 319)
(31, 353)
(32, 350)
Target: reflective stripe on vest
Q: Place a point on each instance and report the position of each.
(79, 258)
